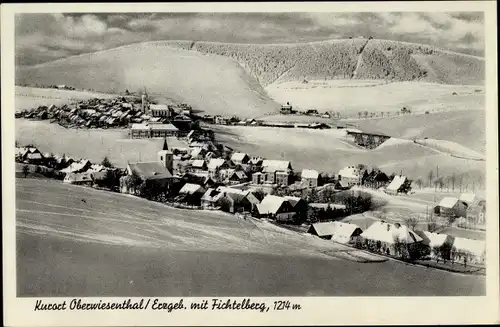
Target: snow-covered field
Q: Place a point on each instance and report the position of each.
(141, 248)
(351, 97)
(328, 151)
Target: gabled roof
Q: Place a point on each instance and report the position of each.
(389, 233)
(216, 163)
(270, 204)
(271, 166)
(448, 202)
(163, 127)
(189, 188)
(150, 169)
(238, 156)
(293, 200)
(334, 228)
(211, 195)
(468, 197)
(350, 172)
(475, 247)
(309, 173)
(396, 183)
(198, 163)
(239, 175)
(434, 239)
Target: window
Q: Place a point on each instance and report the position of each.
(161, 158)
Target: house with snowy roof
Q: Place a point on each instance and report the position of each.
(452, 207)
(276, 207)
(240, 158)
(350, 175)
(391, 239)
(277, 171)
(309, 177)
(337, 231)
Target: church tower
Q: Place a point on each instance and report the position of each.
(166, 157)
(144, 101)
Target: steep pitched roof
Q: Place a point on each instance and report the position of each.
(448, 202)
(198, 163)
(191, 189)
(215, 163)
(468, 197)
(309, 173)
(434, 239)
(350, 172)
(396, 183)
(212, 195)
(389, 233)
(271, 166)
(475, 247)
(341, 230)
(270, 204)
(238, 156)
(150, 169)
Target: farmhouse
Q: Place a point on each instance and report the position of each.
(397, 185)
(437, 245)
(337, 231)
(299, 205)
(216, 165)
(276, 207)
(465, 250)
(198, 153)
(277, 171)
(309, 177)
(258, 178)
(452, 207)
(238, 200)
(469, 198)
(286, 109)
(240, 158)
(237, 177)
(350, 175)
(201, 179)
(79, 179)
(391, 239)
(375, 179)
(78, 167)
(198, 165)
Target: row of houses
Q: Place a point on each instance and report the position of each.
(389, 239)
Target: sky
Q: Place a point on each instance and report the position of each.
(46, 37)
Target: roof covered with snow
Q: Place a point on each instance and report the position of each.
(271, 166)
(434, 239)
(389, 233)
(215, 163)
(350, 172)
(270, 204)
(191, 189)
(198, 163)
(309, 173)
(396, 183)
(468, 197)
(238, 156)
(150, 169)
(448, 202)
(334, 227)
(475, 247)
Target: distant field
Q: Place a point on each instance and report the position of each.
(324, 150)
(466, 128)
(141, 248)
(92, 144)
(31, 97)
(351, 97)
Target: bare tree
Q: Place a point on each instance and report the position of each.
(419, 183)
(365, 114)
(453, 180)
(359, 114)
(411, 222)
(430, 176)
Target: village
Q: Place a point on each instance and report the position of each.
(208, 175)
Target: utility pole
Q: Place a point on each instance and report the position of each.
(437, 171)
